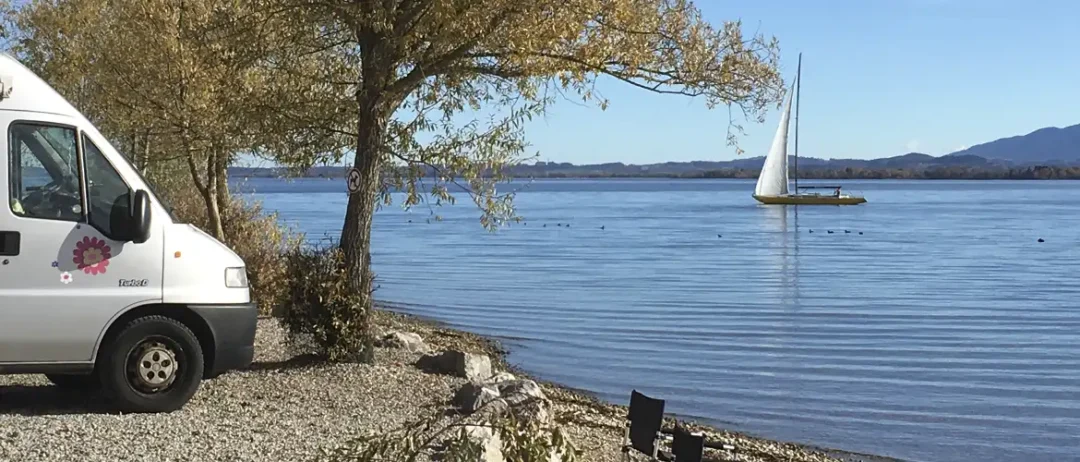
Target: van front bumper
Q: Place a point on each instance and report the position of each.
(233, 329)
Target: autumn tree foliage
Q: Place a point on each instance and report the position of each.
(404, 87)
(424, 70)
(182, 86)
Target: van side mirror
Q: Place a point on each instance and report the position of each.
(140, 217)
(129, 219)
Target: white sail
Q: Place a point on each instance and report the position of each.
(773, 180)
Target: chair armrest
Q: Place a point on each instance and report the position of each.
(719, 445)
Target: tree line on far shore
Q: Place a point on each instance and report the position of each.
(858, 173)
(848, 173)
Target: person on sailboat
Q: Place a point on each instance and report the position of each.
(837, 192)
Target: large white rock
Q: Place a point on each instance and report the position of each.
(405, 340)
(489, 441)
(472, 366)
(500, 378)
(472, 396)
(526, 399)
(516, 391)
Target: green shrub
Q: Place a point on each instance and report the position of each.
(264, 244)
(322, 310)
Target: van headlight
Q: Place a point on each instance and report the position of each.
(236, 278)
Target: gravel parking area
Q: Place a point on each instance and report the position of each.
(288, 408)
(279, 410)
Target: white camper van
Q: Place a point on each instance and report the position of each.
(100, 288)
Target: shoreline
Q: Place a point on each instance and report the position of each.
(291, 405)
(397, 318)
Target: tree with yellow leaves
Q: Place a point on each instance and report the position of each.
(187, 83)
(419, 66)
(403, 82)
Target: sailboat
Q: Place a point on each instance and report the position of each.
(772, 184)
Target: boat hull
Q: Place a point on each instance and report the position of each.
(809, 199)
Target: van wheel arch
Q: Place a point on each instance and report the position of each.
(180, 313)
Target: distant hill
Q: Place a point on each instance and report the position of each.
(912, 160)
(1014, 157)
(1051, 145)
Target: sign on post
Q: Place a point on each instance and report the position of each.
(353, 180)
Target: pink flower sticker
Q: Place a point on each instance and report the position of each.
(92, 255)
(65, 277)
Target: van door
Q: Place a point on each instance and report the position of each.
(62, 275)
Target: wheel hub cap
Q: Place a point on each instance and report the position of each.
(154, 366)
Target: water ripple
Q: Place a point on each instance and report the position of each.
(943, 332)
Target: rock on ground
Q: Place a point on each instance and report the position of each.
(472, 396)
(517, 391)
(471, 366)
(405, 340)
(522, 396)
(489, 441)
(500, 378)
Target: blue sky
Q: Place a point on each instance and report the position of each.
(880, 78)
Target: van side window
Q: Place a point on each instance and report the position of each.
(110, 197)
(44, 172)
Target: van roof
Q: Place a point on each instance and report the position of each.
(26, 92)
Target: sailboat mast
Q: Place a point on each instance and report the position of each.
(798, 93)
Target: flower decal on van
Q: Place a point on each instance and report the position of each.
(65, 277)
(92, 255)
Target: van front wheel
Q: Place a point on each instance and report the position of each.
(155, 364)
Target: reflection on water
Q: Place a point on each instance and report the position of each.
(784, 242)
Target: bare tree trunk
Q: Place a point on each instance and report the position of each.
(356, 233)
(208, 193)
(144, 163)
(222, 182)
(213, 202)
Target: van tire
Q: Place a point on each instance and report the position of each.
(155, 364)
(74, 381)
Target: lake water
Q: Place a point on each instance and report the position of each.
(938, 329)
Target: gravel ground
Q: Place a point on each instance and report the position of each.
(285, 407)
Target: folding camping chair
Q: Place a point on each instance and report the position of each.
(686, 446)
(643, 424)
(644, 433)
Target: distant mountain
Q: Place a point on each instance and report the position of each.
(1017, 156)
(910, 161)
(1051, 145)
